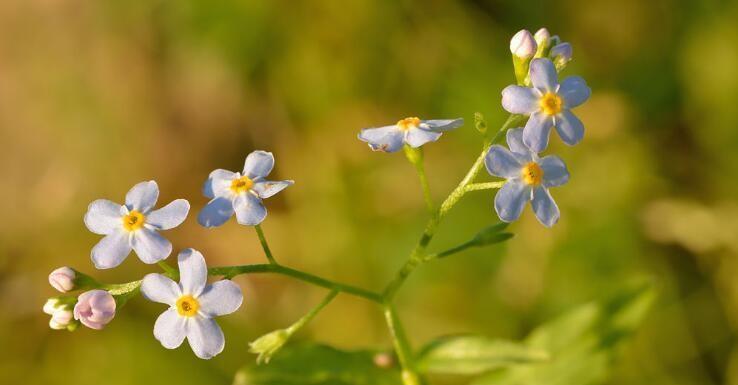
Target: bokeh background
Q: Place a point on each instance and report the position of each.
(97, 96)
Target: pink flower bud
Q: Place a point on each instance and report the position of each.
(61, 319)
(542, 36)
(523, 45)
(95, 309)
(62, 279)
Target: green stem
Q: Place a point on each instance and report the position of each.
(313, 312)
(402, 346)
(484, 186)
(264, 244)
(415, 156)
(232, 271)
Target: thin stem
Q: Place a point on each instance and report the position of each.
(232, 271)
(264, 244)
(415, 157)
(484, 186)
(312, 313)
(402, 346)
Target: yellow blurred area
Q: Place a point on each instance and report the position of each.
(97, 96)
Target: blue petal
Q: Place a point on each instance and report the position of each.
(510, 200)
(503, 163)
(569, 127)
(218, 182)
(544, 206)
(142, 197)
(441, 125)
(543, 75)
(268, 188)
(111, 250)
(150, 246)
(249, 209)
(515, 141)
(216, 212)
(554, 171)
(417, 136)
(386, 139)
(205, 337)
(574, 91)
(537, 131)
(520, 100)
(258, 164)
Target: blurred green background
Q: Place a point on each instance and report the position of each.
(97, 96)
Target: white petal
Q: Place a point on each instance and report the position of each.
(150, 246)
(219, 183)
(520, 100)
(385, 139)
(169, 216)
(442, 125)
(216, 212)
(417, 136)
(193, 273)
(543, 75)
(258, 164)
(103, 217)
(220, 298)
(158, 288)
(170, 329)
(268, 188)
(111, 250)
(249, 209)
(205, 337)
(143, 196)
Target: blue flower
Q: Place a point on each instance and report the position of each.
(528, 179)
(548, 103)
(412, 131)
(241, 193)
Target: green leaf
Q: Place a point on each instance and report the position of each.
(313, 364)
(582, 343)
(475, 354)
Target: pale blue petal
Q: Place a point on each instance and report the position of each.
(205, 337)
(544, 206)
(510, 200)
(170, 329)
(503, 163)
(142, 197)
(442, 125)
(258, 164)
(193, 273)
(537, 131)
(218, 183)
(574, 91)
(216, 212)
(268, 188)
(111, 250)
(520, 100)
(569, 127)
(386, 139)
(554, 171)
(169, 216)
(103, 217)
(220, 298)
(416, 136)
(161, 289)
(543, 75)
(515, 141)
(150, 246)
(250, 211)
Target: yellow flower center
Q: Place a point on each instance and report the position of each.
(134, 220)
(187, 305)
(551, 103)
(408, 123)
(241, 184)
(532, 174)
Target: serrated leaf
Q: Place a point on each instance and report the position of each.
(472, 354)
(582, 343)
(313, 364)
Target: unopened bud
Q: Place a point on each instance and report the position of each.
(523, 45)
(62, 279)
(61, 319)
(542, 36)
(561, 55)
(95, 308)
(267, 345)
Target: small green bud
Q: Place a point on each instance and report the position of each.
(267, 345)
(410, 378)
(479, 123)
(491, 235)
(414, 155)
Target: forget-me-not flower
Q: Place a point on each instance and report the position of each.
(193, 305)
(528, 179)
(548, 104)
(241, 193)
(411, 131)
(134, 225)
